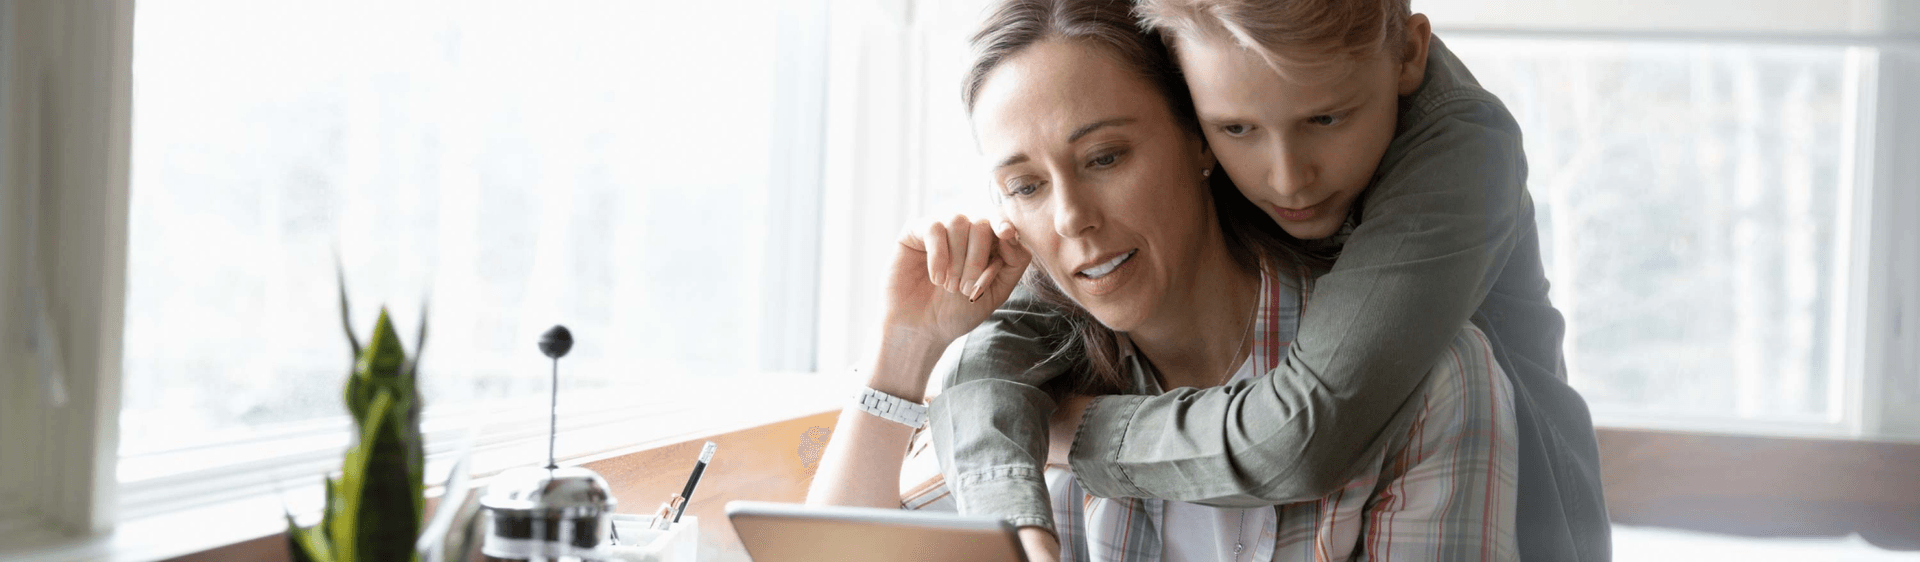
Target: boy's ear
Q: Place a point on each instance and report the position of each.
(1413, 65)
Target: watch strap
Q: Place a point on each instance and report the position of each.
(887, 406)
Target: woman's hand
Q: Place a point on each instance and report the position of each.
(948, 276)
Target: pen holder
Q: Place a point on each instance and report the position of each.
(635, 541)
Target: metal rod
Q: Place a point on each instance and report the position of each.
(553, 416)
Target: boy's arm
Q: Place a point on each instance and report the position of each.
(990, 422)
(1435, 235)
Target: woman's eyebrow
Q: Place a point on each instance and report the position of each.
(1079, 133)
(1089, 128)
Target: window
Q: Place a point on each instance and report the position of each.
(653, 187)
(1693, 206)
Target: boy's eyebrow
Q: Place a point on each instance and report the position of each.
(1344, 103)
(1077, 134)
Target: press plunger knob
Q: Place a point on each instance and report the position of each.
(556, 342)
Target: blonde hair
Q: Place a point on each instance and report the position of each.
(1302, 34)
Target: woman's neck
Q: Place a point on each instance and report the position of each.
(1206, 326)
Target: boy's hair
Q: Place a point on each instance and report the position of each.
(1307, 33)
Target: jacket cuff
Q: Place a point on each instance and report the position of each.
(1016, 494)
(1096, 447)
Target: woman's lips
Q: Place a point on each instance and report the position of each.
(1294, 214)
(1110, 282)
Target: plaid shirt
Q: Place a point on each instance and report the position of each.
(1442, 490)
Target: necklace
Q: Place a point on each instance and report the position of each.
(1240, 532)
(1232, 365)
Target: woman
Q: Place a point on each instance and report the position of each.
(1104, 179)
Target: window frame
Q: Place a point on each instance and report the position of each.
(1881, 353)
(1854, 219)
(64, 501)
(65, 179)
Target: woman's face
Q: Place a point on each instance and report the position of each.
(1302, 146)
(1100, 180)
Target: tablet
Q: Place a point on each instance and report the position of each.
(785, 532)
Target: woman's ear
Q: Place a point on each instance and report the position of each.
(1413, 62)
(1207, 159)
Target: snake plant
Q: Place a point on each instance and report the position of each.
(374, 508)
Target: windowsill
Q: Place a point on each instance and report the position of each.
(1802, 429)
(686, 410)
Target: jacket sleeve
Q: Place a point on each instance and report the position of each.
(989, 422)
(1435, 233)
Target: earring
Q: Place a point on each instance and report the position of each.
(1207, 173)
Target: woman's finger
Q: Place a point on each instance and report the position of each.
(979, 249)
(985, 282)
(935, 240)
(1011, 259)
(1010, 249)
(957, 235)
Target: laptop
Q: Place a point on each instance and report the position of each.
(785, 532)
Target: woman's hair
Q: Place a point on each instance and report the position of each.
(1302, 32)
(1251, 236)
(1015, 25)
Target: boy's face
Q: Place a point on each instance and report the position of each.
(1302, 144)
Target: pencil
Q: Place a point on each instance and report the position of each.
(706, 455)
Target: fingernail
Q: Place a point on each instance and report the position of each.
(966, 288)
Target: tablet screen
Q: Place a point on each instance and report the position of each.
(781, 532)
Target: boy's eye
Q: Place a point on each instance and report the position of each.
(1324, 120)
(1235, 130)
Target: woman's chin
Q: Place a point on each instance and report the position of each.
(1115, 316)
(1314, 230)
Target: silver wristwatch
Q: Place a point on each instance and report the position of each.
(887, 406)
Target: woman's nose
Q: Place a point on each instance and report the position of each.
(1075, 213)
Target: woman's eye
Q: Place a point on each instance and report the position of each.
(1022, 190)
(1324, 120)
(1234, 130)
(1104, 160)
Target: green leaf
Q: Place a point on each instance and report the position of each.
(346, 318)
(306, 545)
(345, 527)
(391, 501)
(326, 513)
(380, 365)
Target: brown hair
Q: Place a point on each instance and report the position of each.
(1281, 30)
(1251, 236)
